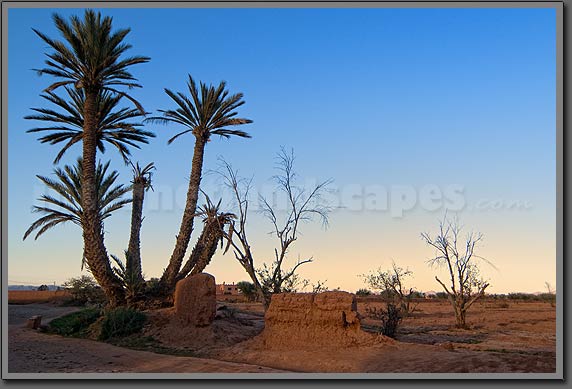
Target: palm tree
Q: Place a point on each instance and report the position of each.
(90, 58)
(67, 185)
(141, 183)
(212, 234)
(113, 126)
(208, 111)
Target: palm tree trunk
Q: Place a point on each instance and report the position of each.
(194, 257)
(212, 236)
(95, 252)
(133, 257)
(170, 275)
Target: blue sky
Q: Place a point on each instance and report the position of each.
(369, 97)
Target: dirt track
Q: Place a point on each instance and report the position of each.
(32, 352)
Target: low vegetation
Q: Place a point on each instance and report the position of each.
(99, 324)
(391, 285)
(121, 322)
(84, 290)
(75, 324)
(248, 290)
(363, 292)
(390, 317)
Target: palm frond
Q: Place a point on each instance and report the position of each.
(207, 111)
(115, 126)
(90, 56)
(67, 208)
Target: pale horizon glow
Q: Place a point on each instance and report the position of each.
(387, 102)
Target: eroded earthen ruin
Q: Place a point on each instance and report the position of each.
(308, 320)
(195, 300)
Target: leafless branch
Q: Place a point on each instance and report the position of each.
(302, 206)
(460, 259)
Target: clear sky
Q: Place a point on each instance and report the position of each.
(431, 108)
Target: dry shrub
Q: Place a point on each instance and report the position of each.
(390, 318)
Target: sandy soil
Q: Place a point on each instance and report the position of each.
(30, 351)
(520, 338)
(517, 338)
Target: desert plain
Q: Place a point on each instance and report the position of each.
(514, 336)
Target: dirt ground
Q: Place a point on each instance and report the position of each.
(30, 351)
(518, 337)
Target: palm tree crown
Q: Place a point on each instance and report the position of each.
(207, 112)
(113, 125)
(142, 175)
(89, 56)
(68, 186)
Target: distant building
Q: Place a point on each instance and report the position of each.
(231, 289)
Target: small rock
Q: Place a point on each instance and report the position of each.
(447, 346)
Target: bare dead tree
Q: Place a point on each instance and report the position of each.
(302, 206)
(467, 285)
(548, 287)
(392, 283)
(551, 294)
(236, 236)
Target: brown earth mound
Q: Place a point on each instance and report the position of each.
(195, 300)
(308, 320)
(166, 328)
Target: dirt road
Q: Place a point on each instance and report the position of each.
(30, 351)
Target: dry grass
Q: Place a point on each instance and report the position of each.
(34, 296)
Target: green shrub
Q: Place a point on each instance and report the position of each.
(74, 324)
(248, 290)
(520, 296)
(363, 292)
(121, 322)
(416, 294)
(84, 290)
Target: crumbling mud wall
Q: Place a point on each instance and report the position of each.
(308, 320)
(195, 300)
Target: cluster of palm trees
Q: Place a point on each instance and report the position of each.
(90, 70)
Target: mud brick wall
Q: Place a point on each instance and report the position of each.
(308, 320)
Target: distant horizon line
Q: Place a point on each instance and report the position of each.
(341, 290)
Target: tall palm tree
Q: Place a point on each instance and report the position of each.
(207, 112)
(113, 126)
(67, 185)
(90, 57)
(141, 183)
